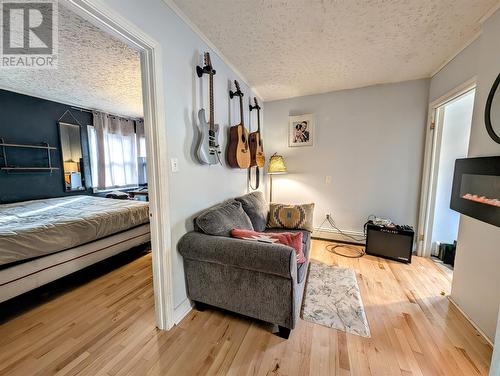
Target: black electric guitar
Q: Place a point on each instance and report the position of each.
(208, 151)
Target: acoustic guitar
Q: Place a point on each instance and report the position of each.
(208, 146)
(238, 151)
(257, 157)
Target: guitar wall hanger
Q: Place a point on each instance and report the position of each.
(207, 69)
(237, 93)
(208, 149)
(254, 107)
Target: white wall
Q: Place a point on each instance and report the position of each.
(369, 140)
(454, 145)
(476, 278)
(476, 282)
(195, 186)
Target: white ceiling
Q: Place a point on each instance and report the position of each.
(288, 48)
(95, 71)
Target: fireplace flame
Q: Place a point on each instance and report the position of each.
(482, 199)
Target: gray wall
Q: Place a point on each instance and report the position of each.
(462, 68)
(476, 278)
(194, 187)
(369, 140)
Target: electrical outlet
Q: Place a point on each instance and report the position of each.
(328, 216)
(328, 179)
(174, 164)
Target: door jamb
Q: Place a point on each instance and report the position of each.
(433, 135)
(156, 145)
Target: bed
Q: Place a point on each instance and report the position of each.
(43, 240)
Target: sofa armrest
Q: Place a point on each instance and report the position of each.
(262, 257)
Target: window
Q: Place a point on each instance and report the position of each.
(141, 151)
(115, 152)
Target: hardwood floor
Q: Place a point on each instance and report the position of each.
(106, 327)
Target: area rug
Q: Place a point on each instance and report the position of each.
(332, 299)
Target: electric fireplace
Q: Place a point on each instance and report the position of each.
(476, 188)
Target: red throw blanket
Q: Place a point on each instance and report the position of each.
(292, 239)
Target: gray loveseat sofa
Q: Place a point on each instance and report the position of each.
(255, 279)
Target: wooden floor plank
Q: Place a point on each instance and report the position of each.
(106, 326)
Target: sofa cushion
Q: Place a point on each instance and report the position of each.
(306, 248)
(291, 239)
(301, 271)
(257, 209)
(220, 219)
(291, 216)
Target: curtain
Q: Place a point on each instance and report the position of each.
(115, 148)
(141, 151)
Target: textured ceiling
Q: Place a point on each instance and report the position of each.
(94, 71)
(288, 48)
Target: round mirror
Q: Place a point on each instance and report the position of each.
(492, 112)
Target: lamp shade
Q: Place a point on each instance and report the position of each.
(276, 165)
(71, 166)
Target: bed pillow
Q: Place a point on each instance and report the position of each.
(257, 209)
(220, 219)
(291, 239)
(298, 217)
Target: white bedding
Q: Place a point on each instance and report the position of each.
(41, 227)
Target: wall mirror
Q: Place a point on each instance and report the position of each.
(492, 111)
(71, 154)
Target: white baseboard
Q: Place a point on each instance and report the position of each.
(332, 234)
(182, 310)
(471, 322)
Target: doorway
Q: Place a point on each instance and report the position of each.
(447, 140)
(113, 23)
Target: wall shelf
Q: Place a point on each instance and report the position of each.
(28, 168)
(43, 146)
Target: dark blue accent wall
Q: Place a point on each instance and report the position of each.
(30, 120)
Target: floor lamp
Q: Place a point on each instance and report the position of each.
(276, 167)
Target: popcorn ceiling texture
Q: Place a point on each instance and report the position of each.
(288, 48)
(94, 71)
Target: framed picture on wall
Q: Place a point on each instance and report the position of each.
(301, 130)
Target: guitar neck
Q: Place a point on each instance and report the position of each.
(241, 110)
(258, 120)
(211, 121)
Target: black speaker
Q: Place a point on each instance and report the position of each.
(394, 243)
(447, 253)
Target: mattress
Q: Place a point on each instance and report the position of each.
(37, 228)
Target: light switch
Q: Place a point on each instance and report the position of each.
(328, 179)
(174, 164)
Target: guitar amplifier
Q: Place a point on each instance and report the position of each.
(391, 242)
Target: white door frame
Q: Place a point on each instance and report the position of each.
(433, 135)
(156, 145)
